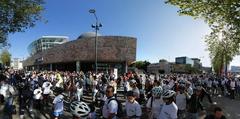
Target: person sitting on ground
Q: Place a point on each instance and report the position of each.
(218, 114)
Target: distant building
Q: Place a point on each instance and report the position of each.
(17, 63)
(207, 70)
(235, 69)
(161, 67)
(184, 60)
(178, 68)
(46, 42)
(197, 63)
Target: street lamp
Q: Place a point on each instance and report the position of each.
(96, 27)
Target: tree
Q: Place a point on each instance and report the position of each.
(215, 12)
(221, 50)
(5, 58)
(162, 60)
(18, 15)
(223, 17)
(141, 65)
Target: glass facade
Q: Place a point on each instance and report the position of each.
(184, 60)
(46, 42)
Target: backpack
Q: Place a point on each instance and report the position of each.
(120, 112)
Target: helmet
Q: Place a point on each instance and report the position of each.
(132, 81)
(181, 81)
(157, 91)
(198, 83)
(168, 94)
(79, 109)
(182, 87)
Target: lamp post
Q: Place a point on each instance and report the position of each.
(96, 27)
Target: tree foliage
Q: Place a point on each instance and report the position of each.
(5, 58)
(18, 15)
(162, 60)
(141, 65)
(223, 17)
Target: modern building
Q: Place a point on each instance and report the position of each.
(184, 60)
(178, 68)
(17, 64)
(46, 42)
(197, 63)
(114, 52)
(235, 69)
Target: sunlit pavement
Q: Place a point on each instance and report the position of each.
(230, 107)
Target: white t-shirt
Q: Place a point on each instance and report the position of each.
(126, 85)
(6, 90)
(209, 83)
(166, 87)
(190, 91)
(232, 84)
(37, 93)
(169, 111)
(133, 109)
(171, 83)
(215, 82)
(157, 105)
(94, 85)
(58, 103)
(47, 87)
(238, 83)
(181, 101)
(110, 107)
(223, 82)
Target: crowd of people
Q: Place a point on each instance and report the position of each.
(166, 96)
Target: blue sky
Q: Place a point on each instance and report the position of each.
(160, 31)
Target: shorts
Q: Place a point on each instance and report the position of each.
(57, 114)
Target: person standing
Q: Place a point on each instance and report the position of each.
(194, 104)
(58, 104)
(46, 92)
(110, 106)
(232, 86)
(169, 110)
(181, 101)
(155, 103)
(133, 108)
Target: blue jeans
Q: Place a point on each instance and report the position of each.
(9, 102)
